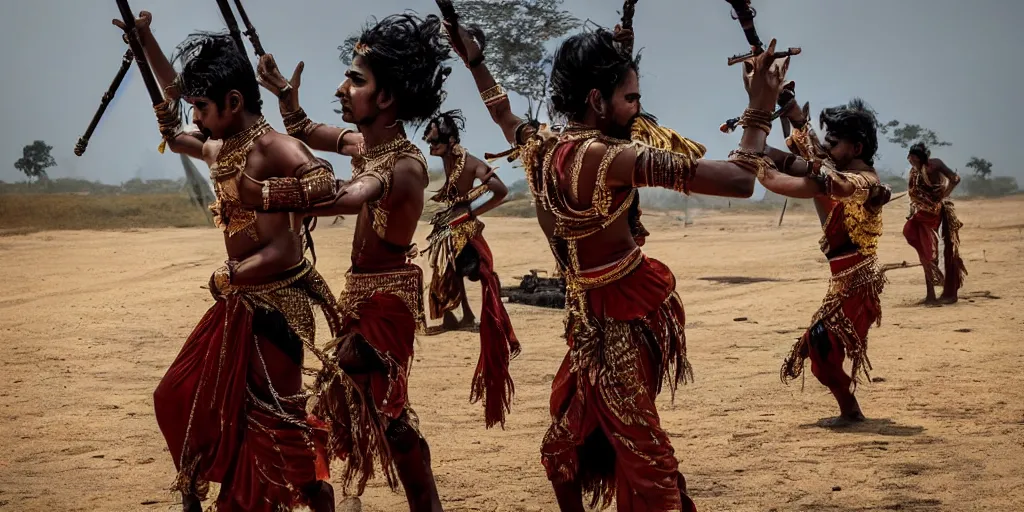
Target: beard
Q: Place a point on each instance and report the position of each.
(624, 132)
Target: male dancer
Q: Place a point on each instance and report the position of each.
(396, 76)
(625, 320)
(849, 197)
(930, 184)
(457, 250)
(231, 406)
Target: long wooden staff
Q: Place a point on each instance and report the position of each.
(83, 141)
(132, 34)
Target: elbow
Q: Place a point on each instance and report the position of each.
(743, 188)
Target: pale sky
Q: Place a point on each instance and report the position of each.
(950, 65)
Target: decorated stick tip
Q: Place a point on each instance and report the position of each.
(81, 145)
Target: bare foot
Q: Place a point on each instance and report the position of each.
(351, 504)
(930, 302)
(948, 299)
(842, 421)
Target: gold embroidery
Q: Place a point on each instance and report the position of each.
(229, 213)
(379, 162)
(405, 283)
(865, 275)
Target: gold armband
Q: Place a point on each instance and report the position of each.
(314, 183)
(298, 124)
(168, 118)
(753, 118)
(476, 193)
(220, 281)
(659, 168)
(757, 164)
(493, 95)
(861, 186)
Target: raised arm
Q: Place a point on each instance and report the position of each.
(491, 92)
(318, 136)
(169, 118)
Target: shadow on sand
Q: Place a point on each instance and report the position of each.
(880, 426)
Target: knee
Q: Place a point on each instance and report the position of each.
(355, 356)
(404, 439)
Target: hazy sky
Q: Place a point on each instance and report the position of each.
(951, 65)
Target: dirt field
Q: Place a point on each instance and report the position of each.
(91, 320)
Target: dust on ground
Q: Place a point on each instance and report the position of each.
(91, 320)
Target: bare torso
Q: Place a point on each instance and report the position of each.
(606, 246)
(277, 234)
(404, 202)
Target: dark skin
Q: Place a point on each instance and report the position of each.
(937, 172)
(324, 137)
(794, 183)
(279, 247)
(763, 77)
(374, 112)
(474, 170)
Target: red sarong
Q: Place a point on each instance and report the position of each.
(922, 233)
(231, 407)
(839, 329)
(381, 315)
(606, 433)
(498, 343)
(458, 250)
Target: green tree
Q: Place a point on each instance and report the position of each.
(982, 167)
(35, 160)
(517, 34)
(906, 135)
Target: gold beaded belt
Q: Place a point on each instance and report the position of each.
(406, 283)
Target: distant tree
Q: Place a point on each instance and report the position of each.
(36, 159)
(896, 182)
(518, 189)
(982, 167)
(906, 135)
(517, 33)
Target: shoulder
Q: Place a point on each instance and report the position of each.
(937, 164)
(283, 154)
(410, 171)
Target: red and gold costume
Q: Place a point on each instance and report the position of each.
(930, 211)
(231, 406)
(381, 310)
(839, 329)
(457, 249)
(624, 328)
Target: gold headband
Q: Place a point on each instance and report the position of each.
(361, 49)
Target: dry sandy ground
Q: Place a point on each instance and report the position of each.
(90, 321)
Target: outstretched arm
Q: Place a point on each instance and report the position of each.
(287, 178)
(350, 198)
(318, 136)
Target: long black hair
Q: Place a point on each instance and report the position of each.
(212, 65)
(406, 55)
(585, 62)
(921, 152)
(854, 122)
(449, 126)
